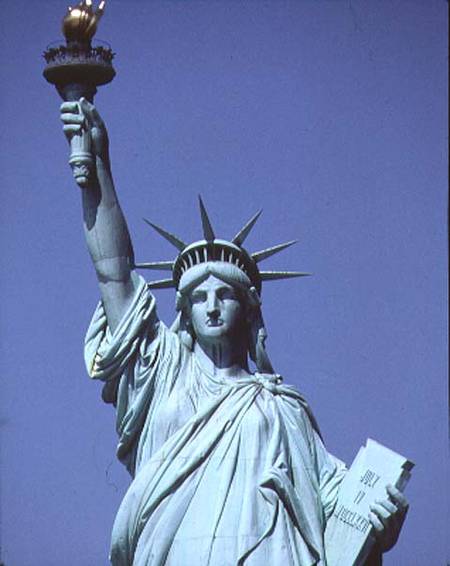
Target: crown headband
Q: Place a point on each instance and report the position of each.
(213, 249)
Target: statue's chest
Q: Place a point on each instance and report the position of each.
(171, 414)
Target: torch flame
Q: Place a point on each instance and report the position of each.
(80, 22)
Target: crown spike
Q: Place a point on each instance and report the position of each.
(174, 240)
(274, 275)
(163, 265)
(208, 231)
(263, 254)
(161, 284)
(244, 232)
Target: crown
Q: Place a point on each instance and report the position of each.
(212, 249)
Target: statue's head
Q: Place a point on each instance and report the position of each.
(218, 287)
(217, 301)
(216, 311)
(217, 305)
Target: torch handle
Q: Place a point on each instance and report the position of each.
(81, 159)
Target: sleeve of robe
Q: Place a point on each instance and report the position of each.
(138, 364)
(329, 470)
(331, 473)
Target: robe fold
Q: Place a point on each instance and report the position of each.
(226, 472)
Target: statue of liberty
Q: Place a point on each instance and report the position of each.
(228, 466)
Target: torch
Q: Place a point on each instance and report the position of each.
(77, 69)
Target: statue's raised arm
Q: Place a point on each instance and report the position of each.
(105, 227)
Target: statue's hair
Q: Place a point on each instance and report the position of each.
(248, 296)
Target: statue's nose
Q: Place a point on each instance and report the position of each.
(212, 308)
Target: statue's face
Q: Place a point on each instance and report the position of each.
(216, 311)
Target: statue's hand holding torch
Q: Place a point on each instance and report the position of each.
(87, 135)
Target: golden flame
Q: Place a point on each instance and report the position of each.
(80, 22)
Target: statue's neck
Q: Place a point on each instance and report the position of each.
(222, 359)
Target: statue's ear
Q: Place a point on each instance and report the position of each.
(254, 298)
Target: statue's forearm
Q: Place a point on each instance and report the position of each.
(109, 244)
(105, 227)
(375, 557)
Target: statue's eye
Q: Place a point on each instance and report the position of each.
(227, 293)
(198, 297)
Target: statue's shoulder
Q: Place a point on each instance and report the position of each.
(291, 392)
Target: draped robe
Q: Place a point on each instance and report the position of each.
(225, 471)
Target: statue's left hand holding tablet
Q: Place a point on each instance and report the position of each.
(387, 517)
